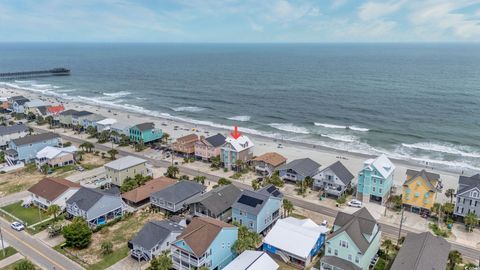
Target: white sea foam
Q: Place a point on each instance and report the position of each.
(117, 94)
(358, 128)
(355, 128)
(342, 138)
(188, 109)
(289, 127)
(242, 118)
(443, 148)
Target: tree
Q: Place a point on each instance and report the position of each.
(45, 168)
(388, 246)
(113, 135)
(247, 240)
(30, 116)
(437, 209)
(24, 264)
(395, 202)
(184, 177)
(107, 247)
(301, 187)
(172, 172)
(112, 153)
(216, 162)
(471, 221)
(78, 128)
(200, 179)
(308, 181)
(256, 184)
(162, 262)
(239, 165)
(448, 208)
(274, 180)
(165, 137)
(92, 131)
(454, 258)
(87, 146)
(450, 193)
(124, 140)
(49, 120)
(103, 136)
(30, 131)
(77, 234)
(53, 209)
(287, 207)
(222, 182)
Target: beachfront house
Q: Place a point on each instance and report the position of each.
(55, 110)
(65, 118)
(129, 166)
(51, 191)
(145, 132)
(217, 203)
(8, 133)
(298, 169)
(422, 251)
(468, 196)
(173, 198)
(154, 238)
(120, 128)
(26, 148)
(258, 210)
(333, 180)
(207, 148)
(185, 145)
(78, 118)
(265, 165)
(375, 180)
(91, 120)
(32, 105)
(354, 242)
(235, 151)
(252, 260)
(141, 195)
(304, 241)
(96, 206)
(420, 191)
(204, 242)
(55, 156)
(17, 104)
(105, 124)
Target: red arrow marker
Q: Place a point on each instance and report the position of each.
(235, 134)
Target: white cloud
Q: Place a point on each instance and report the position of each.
(284, 11)
(375, 10)
(256, 27)
(338, 3)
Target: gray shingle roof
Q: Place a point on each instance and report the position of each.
(155, 232)
(356, 225)
(42, 110)
(218, 200)
(338, 262)
(271, 190)
(466, 183)
(303, 166)
(145, 126)
(216, 140)
(341, 172)
(21, 101)
(85, 198)
(69, 112)
(180, 191)
(432, 178)
(81, 113)
(36, 138)
(5, 130)
(422, 251)
(253, 201)
(125, 163)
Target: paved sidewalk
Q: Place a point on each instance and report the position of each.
(13, 198)
(14, 258)
(128, 263)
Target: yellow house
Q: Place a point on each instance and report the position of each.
(420, 191)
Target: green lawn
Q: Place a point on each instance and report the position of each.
(110, 259)
(29, 215)
(9, 251)
(296, 215)
(12, 266)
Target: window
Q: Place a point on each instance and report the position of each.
(357, 259)
(374, 180)
(380, 190)
(381, 182)
(336, 252)
(349, 257)
(329, 250)
(373, 188)
(344, 244)
(475, 194)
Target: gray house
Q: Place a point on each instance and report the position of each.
(96, 206)
(422, 251)
(468, 196)
(153, 238)
(8, 133)
(298, 170)
(333, 180)
(217, 203)
(174, 197)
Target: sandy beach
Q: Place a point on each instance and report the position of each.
(291, 150)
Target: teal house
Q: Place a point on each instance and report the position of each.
(204, 242)
(145, 132)
(375, 180)
(354, 242)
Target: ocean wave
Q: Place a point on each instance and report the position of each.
(342, 138)
(242, 118)
(443, 148)
(355, 128)
(188, 109)
(42, 86)
(117, 94)
(289, 127)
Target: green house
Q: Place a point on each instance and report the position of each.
(145, 132)
(354, 242)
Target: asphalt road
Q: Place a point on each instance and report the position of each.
(35, 250)
(387, 229)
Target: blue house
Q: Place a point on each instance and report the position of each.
(304, 241)
(298, 169)
(258, 210)
(375, 180)
(145, 132)
(26, 148)
(204, 242)
(17, 103)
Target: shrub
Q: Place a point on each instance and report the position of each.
(107, 247)
(77, 234)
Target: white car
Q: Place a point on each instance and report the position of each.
(17, 226)
(355, 203)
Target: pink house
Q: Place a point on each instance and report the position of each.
(206, 148)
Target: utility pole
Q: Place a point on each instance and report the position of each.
(400, 228)
(3, 245)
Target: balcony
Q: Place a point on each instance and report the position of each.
(335, 191)
(183, 260)
(262, 170)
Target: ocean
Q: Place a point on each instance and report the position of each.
(417, 102)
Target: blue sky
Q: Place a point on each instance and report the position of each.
(240, 21)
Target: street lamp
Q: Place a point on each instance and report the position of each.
(1, 239)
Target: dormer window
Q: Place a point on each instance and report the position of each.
(474, 194)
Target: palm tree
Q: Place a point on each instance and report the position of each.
(200, 179)
(87, 146)
(53, 210)
(112, 153)
(238, 165)
(165, 137)
(287, 207)
(450, 193)
(471, 221)
(2, 120)
(172, 172)
(30, 131)
(162, 262)
(216, 162)
(437, 209)
(388, 246)
(454, 258)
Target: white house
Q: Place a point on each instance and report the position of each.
(252, 260)
(8, 133)
(52, 191)
(105, 124)
(56, 156)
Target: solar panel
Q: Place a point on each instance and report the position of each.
(271, 189)
(276, 193)
(250, 201)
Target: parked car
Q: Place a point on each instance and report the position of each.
(325, 223)
(17, 226)
(355, 203)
